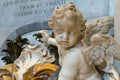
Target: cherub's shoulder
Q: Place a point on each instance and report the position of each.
(73, 58)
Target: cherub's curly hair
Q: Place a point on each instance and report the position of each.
(70, 12)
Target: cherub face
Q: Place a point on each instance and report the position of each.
(66, 34)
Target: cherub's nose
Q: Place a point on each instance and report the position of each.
(65, 36)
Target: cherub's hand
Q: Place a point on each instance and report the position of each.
(44, 35)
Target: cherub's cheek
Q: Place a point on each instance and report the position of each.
(71, 38)
(58, 38)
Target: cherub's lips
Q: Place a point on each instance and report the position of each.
(64, 42)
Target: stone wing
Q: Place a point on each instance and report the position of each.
(102, 52)
(102, 48)
(102, 25)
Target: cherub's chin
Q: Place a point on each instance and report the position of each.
(65, 46)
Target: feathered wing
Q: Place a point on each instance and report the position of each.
(102, 52)
(102, 25)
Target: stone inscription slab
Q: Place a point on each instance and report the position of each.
(16, 13)
(21, 11)
(32, 7)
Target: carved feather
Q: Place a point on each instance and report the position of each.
(102, 52)
(101, 25)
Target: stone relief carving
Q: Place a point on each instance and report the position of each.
(31, 55)
(86, 51)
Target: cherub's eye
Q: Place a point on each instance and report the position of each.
(82, 30)
(59, 31)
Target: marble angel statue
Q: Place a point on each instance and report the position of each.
(85, 52)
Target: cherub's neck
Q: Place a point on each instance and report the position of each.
(62, 51)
